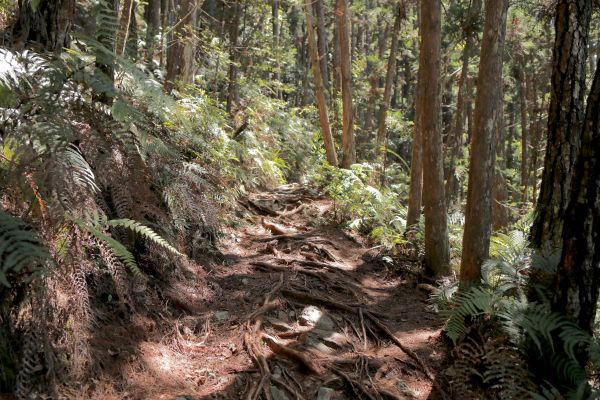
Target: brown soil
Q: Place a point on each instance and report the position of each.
(232, 329)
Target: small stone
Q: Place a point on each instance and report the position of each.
(325, 393)
(332, 339)
(278, 394)
(222, 316)
(316, 344)
(245, 281)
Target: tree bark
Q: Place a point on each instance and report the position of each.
(319, 93)
(152, 16)
(180, 57)
(389, 79)
(437, 253)
(564, 120)
(48, 25)
(415, 195)
(322, 42)
(123, 30)
(488, 121)
(577, 278)
(348, 144)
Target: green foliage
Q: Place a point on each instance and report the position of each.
(21, 250)
(363, 207)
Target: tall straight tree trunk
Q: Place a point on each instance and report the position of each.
(455, 142)
(520, 78)
(319, 93)
(415, 195)
(389, 80)
(152, 16)
(123, 30)
(437, 253)
(322, 42)
(131, 45)
(180, 57)
(577, 278)
(234, 56)
(488, 121)
(564, 120)
(348, 145)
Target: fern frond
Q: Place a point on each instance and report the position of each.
(145, 231)
(117, 247)
(20, 247)
(469, 303)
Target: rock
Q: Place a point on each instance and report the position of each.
(222, 316)
(313, 316)
(332, 339)
(278, 394)
(325, 393)
(312, 341)
(245, 281)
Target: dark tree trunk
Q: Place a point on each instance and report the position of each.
(124, 22)
(322, 42)
(131, 47)
(46, 27)
(488, 121)
(152, 16)
(348, 145)
(564, 120)
(577, 278)
(180, 57)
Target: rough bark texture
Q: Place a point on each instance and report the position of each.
(348, 145)
(389, 80)
(47, 25)
(437, 256)
(415, 195)
(180, 57)
(319, 93)
(564, 120)
(488, 120)
(123, 30)
(322, 42)
(152, 17)
(578, 274)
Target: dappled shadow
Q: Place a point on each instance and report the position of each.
(192, 337)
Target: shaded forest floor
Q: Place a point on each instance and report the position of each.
(291, 307)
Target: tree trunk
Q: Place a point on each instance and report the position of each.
(47, 25)
(319, 93)
(415, 194)
(577, 278)
(437, 255)
(131, 46)
(348, 145)
(488, 121)
(322, 42)
(520, 77)
(152, 16)
(455, 141)
(123, 30)
(234, 56)
(180, 57)
(389, 79)
(564, 120)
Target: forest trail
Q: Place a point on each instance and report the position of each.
(293, 308)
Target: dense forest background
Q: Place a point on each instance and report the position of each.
(462, 136)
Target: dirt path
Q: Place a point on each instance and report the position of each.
(293, 309)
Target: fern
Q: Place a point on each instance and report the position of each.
(467, 304)
(20, 247)
(145, 231)
(117, 247)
